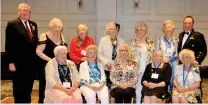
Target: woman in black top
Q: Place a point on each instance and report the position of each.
(156, 78)
(47, 42)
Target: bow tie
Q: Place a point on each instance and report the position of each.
(186, 33)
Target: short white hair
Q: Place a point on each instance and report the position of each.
(168, 22)
(58, 49)
(108, 27)
(21, 5)
(187, 52)
(91, 47)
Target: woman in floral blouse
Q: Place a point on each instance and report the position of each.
(123, 76)
(168, 45)
(142, 47)
(186, 79)
(79, 43)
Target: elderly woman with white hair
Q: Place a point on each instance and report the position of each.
(186, 79)
(123, 75)
(93, 78)
(156, 78)
(142, 47)
(107, 48)
(62, 79)
(168, 45)
(47, 42)
(78, 45)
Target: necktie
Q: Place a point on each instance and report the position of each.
(28, 30)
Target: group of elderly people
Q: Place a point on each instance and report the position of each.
(116, 69)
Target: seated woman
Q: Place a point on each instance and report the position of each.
(62, 79)
(156, 78)
(123, 76)
(93, 78)
(186, 79)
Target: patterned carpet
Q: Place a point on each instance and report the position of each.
(6, 89)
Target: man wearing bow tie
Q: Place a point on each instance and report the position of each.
(192, 40)
(21, 42)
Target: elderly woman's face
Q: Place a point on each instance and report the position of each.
(82, 32)
(112, 30)
(61, 56)
(123, 52)
(56, 29)
(168, 29)
(140, 32)
(158, 57)
(92, 54)
(186, 59)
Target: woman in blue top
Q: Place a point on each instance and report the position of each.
(168, 45)
(93, 78)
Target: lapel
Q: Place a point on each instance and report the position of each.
(180, 40)
(31, 27)
(21, 28)
(188, 39)
(108, 40)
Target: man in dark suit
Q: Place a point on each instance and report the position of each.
(21, 42)
(192, 40)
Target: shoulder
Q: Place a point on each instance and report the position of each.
(43, 37)
(197, 34)
(13, 22)
(83, 63)
(71, 62)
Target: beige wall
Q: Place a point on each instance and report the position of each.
(97, 13)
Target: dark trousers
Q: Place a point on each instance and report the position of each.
(108, 81)
(22, 85)
(123, 95)
(42, 84)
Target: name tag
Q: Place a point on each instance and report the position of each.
(66, 84)
(154, 75)
(83, 52)
(169, 52)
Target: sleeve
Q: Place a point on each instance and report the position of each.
(113, 76)
(146, 73)
(101, 58)
(134, 80)
(10, 43)
(158, 44)
(84, 74)
(197, 76)
(202, 49)
(50, 74)
(167, 74)
(72, 52)
(75, 72)
(103, 78)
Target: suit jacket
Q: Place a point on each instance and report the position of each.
(195, 42)
(20, 49)
(105, 50)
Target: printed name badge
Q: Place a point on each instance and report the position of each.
(154, 75)
(83, 52)
(66, 84)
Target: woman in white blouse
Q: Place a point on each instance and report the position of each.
(168, 45)
(62, 79)
(93, 78)
(107, 48)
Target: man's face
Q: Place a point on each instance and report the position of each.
(24, 13)
(188, 24)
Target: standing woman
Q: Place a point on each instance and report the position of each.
(142, 47)
(168, 45)
(107, 49)
(47, 42)
(78, 45)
